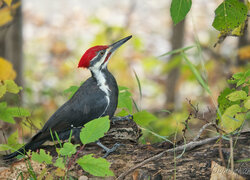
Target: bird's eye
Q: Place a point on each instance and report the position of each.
(102, 52)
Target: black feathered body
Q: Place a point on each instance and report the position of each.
(88, 103)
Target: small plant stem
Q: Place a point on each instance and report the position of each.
(231, 155)
(70, 162)
(221, 154)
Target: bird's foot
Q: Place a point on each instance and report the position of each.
(124, 118)
(108, 150)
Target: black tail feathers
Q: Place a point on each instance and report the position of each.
(32, 145)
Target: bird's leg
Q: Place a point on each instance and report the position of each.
(108, 150)
(124, 118)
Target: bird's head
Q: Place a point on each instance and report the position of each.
(97, 57)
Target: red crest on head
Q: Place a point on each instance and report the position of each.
(89, 55)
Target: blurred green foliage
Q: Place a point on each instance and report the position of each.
(234, 103)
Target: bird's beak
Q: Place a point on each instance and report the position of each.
(117, 44)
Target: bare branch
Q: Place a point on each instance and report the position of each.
(188, 146)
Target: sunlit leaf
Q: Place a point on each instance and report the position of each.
(179, 9)
(94, 130)
(12, 87)
(5, 16)
(124, 99)
(237, 95)
(248, 115)
(18, 112)
(60, 172)
(59, 163)
(233, 112)
(2, 90)
(239, 78)
(42, 157)
(8, 2)
(247, 103)
(68, 149)
(95, 166)
(223, 102)
(12, 143)
(123, 112)
(6, 69)
(7, 113)
(229, 15)
(143, 118)
(4, 114)
(238, 31)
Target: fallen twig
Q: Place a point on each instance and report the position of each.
(201, 130)
(188, 146)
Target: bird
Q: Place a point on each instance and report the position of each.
(95, 98)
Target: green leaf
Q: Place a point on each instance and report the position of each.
(246, 89)
(223, 102)
(13, 140)
(59, 163)
(2, 90)
(123, 112)
(241, 81)
(179, 9)
(238, 75)
(42, 157)
(239, 78)
(12, 87)
(124, 99)
(143, 118)
(71, 90)
(95, 166)
(18, 112)
(243, 160)
(4, 114)
(247, 103)
(237, 95)
(94, 130)
(248, 115)
(12, 143)
(229, 15)
(233, 112)
(68, 149)
(196, 74)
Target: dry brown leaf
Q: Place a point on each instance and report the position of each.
(60, 172)
(222, 173)
(16, 168)
(135, 175)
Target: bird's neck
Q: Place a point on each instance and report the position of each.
(101, 78)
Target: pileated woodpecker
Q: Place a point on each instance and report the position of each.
(96, 97)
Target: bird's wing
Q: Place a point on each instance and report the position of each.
(83, 107)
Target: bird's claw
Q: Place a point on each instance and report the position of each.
(111, 150)
(124, 118)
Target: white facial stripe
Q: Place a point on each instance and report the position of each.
(101, 82)
(106, 63)
(98, 63)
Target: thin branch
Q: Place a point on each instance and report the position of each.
(201, 130)
(188, 146)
